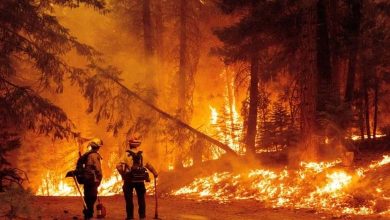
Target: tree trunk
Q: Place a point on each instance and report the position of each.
(353, 49)
(361, 118)
(197, 151)
(325, 94)
(334, 30)
(376, 91)
(323, 51)
(149, 50)
(232, 127)
(324, 69)
(308, 85)
(253, 104)
(182, 78)
(366, 105)
(1, 185)
(159, 31)
(183, 62)
(148, 31)
(230, 92)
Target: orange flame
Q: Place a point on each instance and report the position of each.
(314, 185)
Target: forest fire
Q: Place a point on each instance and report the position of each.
(281, 104)
(111, 185)
(359, 137)
(319, 186)
(66, 187)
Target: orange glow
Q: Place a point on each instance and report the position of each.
(358, 137)
(315, 186)
(109, 186)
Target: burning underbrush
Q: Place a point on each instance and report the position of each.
(319, 186)
(322, 186)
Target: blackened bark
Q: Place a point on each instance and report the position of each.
(366, 104)
(325, 94)
(353, 48)
(335, 46)
(253, 104)
(376, 91)
(323, 51)
(367, 114)
(361, 117)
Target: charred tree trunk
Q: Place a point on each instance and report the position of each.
(307, 83)
(353, 48)
(361, 117)
(324, 83)
(366, 104)
(376, 94)
(323, 51)
(182, 77)
(183, 62)
(251, 130)
(335, 49)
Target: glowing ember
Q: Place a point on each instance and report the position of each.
(319, 186)
(315, 186)
(319, 167)
(384, 161)
(188, 163)
(358, 137)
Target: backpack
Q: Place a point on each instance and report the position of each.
(84, 175)
(138, 173)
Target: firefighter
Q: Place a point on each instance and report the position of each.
(92, 166)
(134, 174)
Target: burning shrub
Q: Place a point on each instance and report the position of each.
(320, 186)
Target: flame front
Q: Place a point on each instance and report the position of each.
(109, 186)
(319, 186)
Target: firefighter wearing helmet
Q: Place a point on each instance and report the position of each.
(134, 171)
(93, 166)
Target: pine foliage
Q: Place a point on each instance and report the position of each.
(278, 132)
(33, 44)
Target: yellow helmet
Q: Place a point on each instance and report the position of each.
(96, 142)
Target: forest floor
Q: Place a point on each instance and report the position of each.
(175, 207)
(171, 208)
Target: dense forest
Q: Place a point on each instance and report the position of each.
(197, 80)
